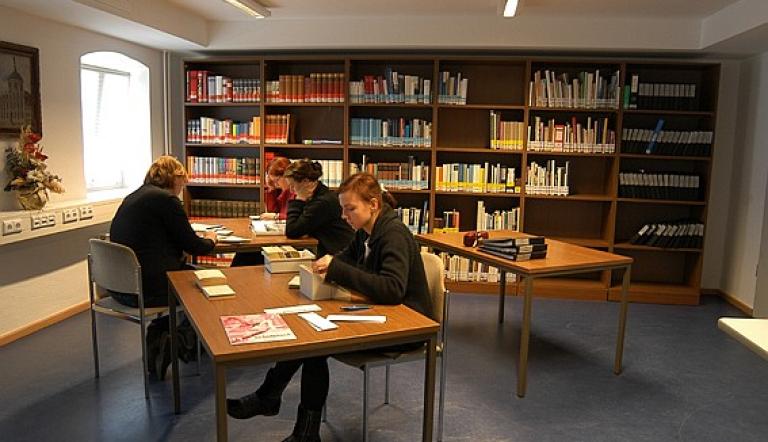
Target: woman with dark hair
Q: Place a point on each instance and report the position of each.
(315, 212)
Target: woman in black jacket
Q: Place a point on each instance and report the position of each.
(315, 210)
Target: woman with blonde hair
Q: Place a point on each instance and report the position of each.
(152, 222)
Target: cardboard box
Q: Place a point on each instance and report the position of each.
(314, 287)
(287, 265)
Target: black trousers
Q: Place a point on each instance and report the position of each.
(314, 381)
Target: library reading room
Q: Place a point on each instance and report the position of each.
(400, 221)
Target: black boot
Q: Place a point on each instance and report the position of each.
(307, 427)
(263, 402)
(163, 359)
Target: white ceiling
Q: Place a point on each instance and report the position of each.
(218, 10)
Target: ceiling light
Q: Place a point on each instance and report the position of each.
(510, 8)
(251, 8)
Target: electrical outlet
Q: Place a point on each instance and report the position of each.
(50, 220)
(38, 221)
(86, 212)
(11, 226)
(69, 216)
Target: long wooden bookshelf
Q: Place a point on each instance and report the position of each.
(594, 213)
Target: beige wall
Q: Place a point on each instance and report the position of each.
(46, 275)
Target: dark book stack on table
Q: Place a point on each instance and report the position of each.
(515, 249)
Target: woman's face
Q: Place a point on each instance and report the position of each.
(360, 214)
(281, 182)
(179, 181)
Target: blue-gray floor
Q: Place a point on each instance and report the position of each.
(683, 380)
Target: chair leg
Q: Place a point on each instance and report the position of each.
(198, 355)
(441, 403)
(95, 340)
(386, 385)
(144, 363)
(324, 416)
(366, 382)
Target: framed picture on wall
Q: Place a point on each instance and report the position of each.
(19, 88)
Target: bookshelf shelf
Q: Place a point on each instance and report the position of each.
(480, 150)
(629, 246)
(661, 112)
(304, 146)
(660, 201)
(500, 104)
(239, 186)
(569, 154)
(248, 104)
(490, 194)
(665, 157)
(576, 197)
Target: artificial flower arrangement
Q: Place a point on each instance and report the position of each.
(28, 172)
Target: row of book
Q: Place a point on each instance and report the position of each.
(205, 87)
(449, 222)
(666, 96)
(506, 135)
(410, 175)
(205, 130)
(552, 136)
(392, 87)
(452, 89)
(215, 260)
(674, 235)
(476, 178)
(498, 219)
(333, 171)
(696, 143)
(278, 128)
(221, 170)
(320, 87)
(515, 249)
(461, 269)
(223, 208)
(415, 218)
(668, 186)
(585, 90)
(549, 179)
(390, 132)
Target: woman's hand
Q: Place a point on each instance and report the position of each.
(268, 216)
(304, 189)
(322, 264)
(209, 234)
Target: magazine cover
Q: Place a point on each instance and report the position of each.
(251, 329)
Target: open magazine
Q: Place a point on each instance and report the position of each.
(252, 329)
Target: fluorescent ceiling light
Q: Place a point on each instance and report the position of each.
(250, 7)
(510, 8)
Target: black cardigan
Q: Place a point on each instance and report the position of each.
(152, 222)
(393, 273)
(320, 218)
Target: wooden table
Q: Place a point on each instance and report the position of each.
(256, 290)
(562, 259)
(242, 228)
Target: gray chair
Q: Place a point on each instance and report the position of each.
(365, 360)
(114, 267)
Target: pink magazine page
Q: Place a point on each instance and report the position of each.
(252, 329)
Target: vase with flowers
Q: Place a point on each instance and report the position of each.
(28, 173)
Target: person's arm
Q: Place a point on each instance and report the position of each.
(179, 230)
(306, 217)
(270, 201)
(388, 285)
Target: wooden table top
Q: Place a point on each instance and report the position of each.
(242, 228)
(561, 256)
(257, 289)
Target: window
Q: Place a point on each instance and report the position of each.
(116, 121)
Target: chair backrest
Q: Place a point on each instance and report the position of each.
(114, 267)
(433, 268)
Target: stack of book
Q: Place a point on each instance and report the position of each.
(392, 87)
(515, 249)
(213, 283)
(666, 186)
(319, 87)
(452, 88)
(506, 135)
(206, 87)
(587, 90)
(548, 180)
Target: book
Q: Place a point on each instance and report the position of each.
(512, 242)
(210, 277)
(516, 256)
(253, 329)
(528, 248)
(654, 137)
(217, 291)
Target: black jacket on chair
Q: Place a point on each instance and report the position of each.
(320, 218)
(152, 222)
(393, 272)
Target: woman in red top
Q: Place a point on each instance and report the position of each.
(278, 191)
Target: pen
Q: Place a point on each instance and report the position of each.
(355, 307)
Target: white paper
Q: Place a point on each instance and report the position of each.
(380, 319)
(303, 308)
(232, 239)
